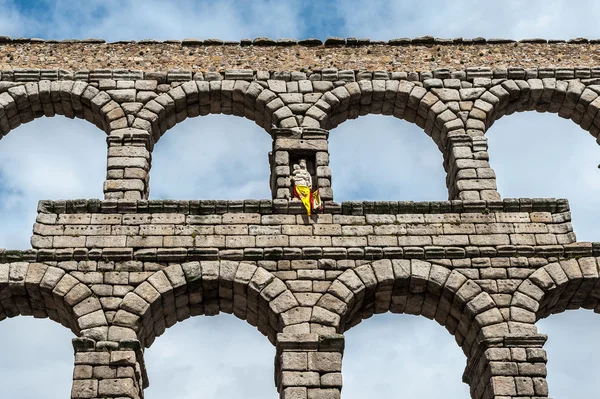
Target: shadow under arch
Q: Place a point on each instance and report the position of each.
(207, 288)
(419, 288)
(41, 291)
(25, 102)
(308, 104)
(270, 104)
(402, 99)
(405, 100)
(377, 158)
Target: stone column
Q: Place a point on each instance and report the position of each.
(128, 164)
(289, 146)
(108, 369)
(510, 367)
(470, 176)
(309, 366)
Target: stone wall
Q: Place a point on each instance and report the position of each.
(418, 54)
(118, 272)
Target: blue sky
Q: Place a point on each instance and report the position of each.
(232, 20)
(374, 157)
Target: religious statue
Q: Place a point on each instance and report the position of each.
(303, 188)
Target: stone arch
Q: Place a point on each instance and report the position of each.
(399, 98)
(467, 171)
(570, 99)
(320, 104)
(414, 287)
(38, 290)
(556, 287)
(252, 100)
(23, 103)
(179, 291)
(270, 104)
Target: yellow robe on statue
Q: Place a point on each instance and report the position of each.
(303, 192)
(311, 201)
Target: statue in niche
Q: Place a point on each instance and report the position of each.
(303, 188)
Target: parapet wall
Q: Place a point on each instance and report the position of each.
(205, 230)
(419, 54)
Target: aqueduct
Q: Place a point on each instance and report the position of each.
(119, 271)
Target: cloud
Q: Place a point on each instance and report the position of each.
(384, 19)
(213, 157)
(545, 156)
(572, 353)
(402, 353)
(384, 158)
(37, 359)
(222, 357)
(11, 20)
(49, 158)
(136, 19)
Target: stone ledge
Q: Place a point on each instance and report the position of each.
(441, 77)
(294, 207)
(574, 250)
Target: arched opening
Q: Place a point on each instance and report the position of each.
(402, 353)
(48, 158)
(385, 158)
(178, 292)
(37, 359)
(213, 157)
(542, 155)
(218, 358)
(572, 355)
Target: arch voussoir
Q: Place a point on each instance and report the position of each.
(199, 98)
(24, 102)
(413, 287)
(33, 289)
(558, 286)
(179, 291)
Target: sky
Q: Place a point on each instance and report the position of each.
(225, 157)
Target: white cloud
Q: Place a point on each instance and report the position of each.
(402, 353)
(154, 19)
(213, 157)
(37, 359)
(221, 357)
(572, 353)
(384, 19)
(50, 158)
(542, 155)
(384, 158)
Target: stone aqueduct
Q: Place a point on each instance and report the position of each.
(118, 272)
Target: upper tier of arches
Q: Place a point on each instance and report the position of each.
(437, 106)
(74, 99)
(455, 113)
